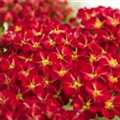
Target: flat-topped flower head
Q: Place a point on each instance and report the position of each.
(55, 68)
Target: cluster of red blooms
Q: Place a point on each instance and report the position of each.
(55, 71)
(14, 10)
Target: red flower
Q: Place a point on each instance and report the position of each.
(99, 92)
(72, 84)
(111, 107)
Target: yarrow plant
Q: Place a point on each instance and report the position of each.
(52, 68)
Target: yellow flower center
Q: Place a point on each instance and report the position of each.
(111, 37)
(22, 42)
(114, 22)
(76, 84)
(25, 73)
(12, 65)
(62, 72)
(98, 24)
(57, 94)
(96, 92)
(86, 106)
(113, 79)
(52, 42)
(32, 85)
(85, 45)
(74, 55)
(109, 105)
(113, 63)
(103, 51)
(18, 28)
(36, 45)
(19, 96)
(60, 56)
(56, 31)
(29, 59)
(93, 75)
(45, 62)
(46, 81)
(66, 42)
(92, 58)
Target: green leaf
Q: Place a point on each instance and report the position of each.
(1, 29)
(91, 31)
(98, 118)
(118, 51)
(53, 14)
(68, 106)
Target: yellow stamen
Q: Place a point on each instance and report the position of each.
(103, 51)
(29, 59)
(12, 65)
(60, 56)
(22, 42)
(92, 58)
(92, 75)
(109, 105)
(19, 96)
(76, 84)
(46, 81)
(45, 62)
(32, 85)
(57, 31)
(113, 79)
(114, 22)
(57, 94)
(25, 73)
(36, 45)
(74, 55)
(66, 42)
(96, 92)
(113, 62)
(111, 37)
(98, 24)
(86, 106)
(18, 28)
(52, 42)
(62, 72)
(85, 45)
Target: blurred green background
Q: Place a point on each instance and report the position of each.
(116, 118)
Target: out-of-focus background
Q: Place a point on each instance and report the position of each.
(76, 4)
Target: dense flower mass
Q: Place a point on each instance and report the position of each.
(12, 11)
(55, 71)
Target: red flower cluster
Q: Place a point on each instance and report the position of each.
(54, 71)
(12, 11)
